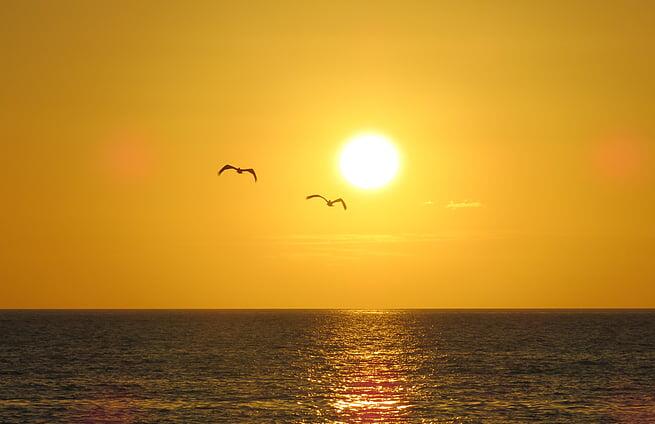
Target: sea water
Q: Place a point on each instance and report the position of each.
(327, 366)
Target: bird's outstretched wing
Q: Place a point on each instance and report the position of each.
(316, 195)
(342, 202)
(225, 168)
(252, 171)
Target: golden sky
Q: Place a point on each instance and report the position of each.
(526, 132)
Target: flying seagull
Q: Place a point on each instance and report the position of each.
(329, 202)
(239, 170)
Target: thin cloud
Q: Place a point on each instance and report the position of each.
(349, 245)
(463, 205)
(341, 246)
(355, 239)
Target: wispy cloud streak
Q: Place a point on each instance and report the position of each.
(463, 205)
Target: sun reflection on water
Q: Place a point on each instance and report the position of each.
(367, 377)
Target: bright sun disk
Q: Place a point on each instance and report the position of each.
(369, 161)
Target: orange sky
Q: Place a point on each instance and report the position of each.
(535, 119)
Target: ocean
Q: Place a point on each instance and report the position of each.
(314, 366)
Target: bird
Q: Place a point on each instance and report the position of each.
(329, 202)
(239, 170)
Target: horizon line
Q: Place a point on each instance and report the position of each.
(2, 309)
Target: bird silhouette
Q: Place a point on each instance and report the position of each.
(239, 170)
(329, 202)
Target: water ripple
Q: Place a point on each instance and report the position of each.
(327, 366)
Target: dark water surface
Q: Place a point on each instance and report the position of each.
(327, 366)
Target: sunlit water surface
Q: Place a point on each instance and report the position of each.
(327, 366)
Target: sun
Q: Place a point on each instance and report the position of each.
(369, 161)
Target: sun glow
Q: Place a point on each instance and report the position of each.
(369, 161)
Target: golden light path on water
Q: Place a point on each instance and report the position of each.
(367, 364)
